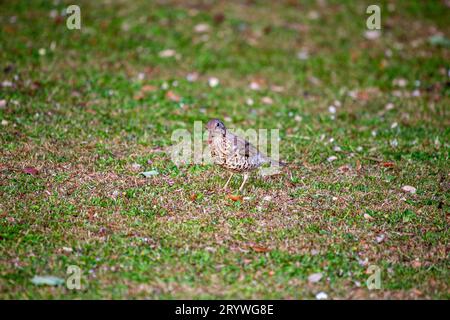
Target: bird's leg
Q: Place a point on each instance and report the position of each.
(246, 175)
(229, 179)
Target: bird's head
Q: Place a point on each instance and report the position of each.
(216, 127)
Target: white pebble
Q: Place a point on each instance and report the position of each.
(213, 82)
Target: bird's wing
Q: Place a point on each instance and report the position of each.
(243, 147)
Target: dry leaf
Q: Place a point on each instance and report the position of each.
(234, 197)
(167, 53)
(219, 18)
(358, 165)
(193, 196)
(138, 96)
(416, 264)
(148, 88)
(267, 100)
(260, 249)
(173, 96)
(31, 170)
(388, 164)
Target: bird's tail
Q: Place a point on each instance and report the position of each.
(277, 163)
(273, 162)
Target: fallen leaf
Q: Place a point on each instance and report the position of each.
(167, 53)
(303, 55)
(388, 164)
(362, 95)
(358, 165)
(234, 197)
(193, 196)
(31, 170)
(149, 173)
(267, 100)
(47, 280)
(367, 216)
(172, 96)
(380, 238)
(148, 88)
(139, 96)
(344, 168)
(192, 77)
(439, 40)
(416, 292)
(416, 264)
(260, 249)
(135, 166)
(201, 28)
(332, 158)
(255, 86)
(219, 18)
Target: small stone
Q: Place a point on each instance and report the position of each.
(332, 158)
(409, 189)
(136, 166)
(7, 84)
(167, 53)
(400, 82)
(192, 77)
(389, 106)
(201, 28)
(416, 93)
(315, 277)
(303, 55)
(213, 82)
(394, 143)
(372, 34)
(254, 86)
(267, 100)
(332, 109)
(380, 238)
(321, 296)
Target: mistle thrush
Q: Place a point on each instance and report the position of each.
(234, 153)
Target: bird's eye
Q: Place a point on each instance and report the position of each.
(217, 125)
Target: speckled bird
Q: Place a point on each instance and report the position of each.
(234, 153)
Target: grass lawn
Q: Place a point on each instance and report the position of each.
(361, 115)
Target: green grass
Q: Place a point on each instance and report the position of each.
(75, 115)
